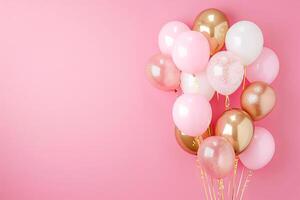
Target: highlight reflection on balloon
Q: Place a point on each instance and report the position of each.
(237, 126)
(258, 100)
(217, 156)
(214, 25)
(188, 143)
(260, 150)
(192, 114)
(162, 72)
(225, 72)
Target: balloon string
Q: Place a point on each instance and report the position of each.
(203, 175)
(229, 189)
(209, 186)
(221, 189)
(227, 102)
(212, 187)
(249, 175)
(240, 183)
(244, 79)
(202, 178)
(236, 161)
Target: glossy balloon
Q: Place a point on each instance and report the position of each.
(225, 72)
(168, 35)
(192, 114)
(214, 25)
(237, 126)
(188, 143)
(260, 151)
(258, 100)
(265, 68)
(162, 72)
(217, 156)
(196, 84)
(245, 39)
(191, 52)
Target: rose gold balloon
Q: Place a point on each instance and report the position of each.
(217, 156)
(189, 143)
(163, 73)
(237, 126)
(258, 99)
(214, 25)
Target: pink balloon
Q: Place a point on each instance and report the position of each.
(192, 114)
(163, 73)
(260, 151)
(217, 156)
(265, 68)
(168, 34)
(225, 72)
(191, 52)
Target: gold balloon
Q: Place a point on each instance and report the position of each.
(258, 99)
(214, 25)
(237, 126)
(189, 143)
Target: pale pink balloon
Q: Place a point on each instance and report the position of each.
(265, 68)
(260, 151)
(168, 34)
(217, 156)
(192, 114)
(163, 73)
(225, 72)
(191, 52)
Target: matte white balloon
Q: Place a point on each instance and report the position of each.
(245, 39)
(196, 84)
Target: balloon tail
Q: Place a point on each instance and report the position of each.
(236, 161)
(244, 79)
(240, 183)
(227, 102)
(209, 130)
(229, 189)
(249, 175)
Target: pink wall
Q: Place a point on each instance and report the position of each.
(79, 120)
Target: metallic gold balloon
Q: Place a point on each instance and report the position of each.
(258, 100)
(214, 25)
(237, 126)
(189, 143)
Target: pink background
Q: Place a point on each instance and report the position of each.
(79, 120)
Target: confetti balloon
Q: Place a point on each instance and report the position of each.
(225, 72)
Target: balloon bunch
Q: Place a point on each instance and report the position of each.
(193, 60)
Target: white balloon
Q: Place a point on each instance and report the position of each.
(196, 84)
(245, 39)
